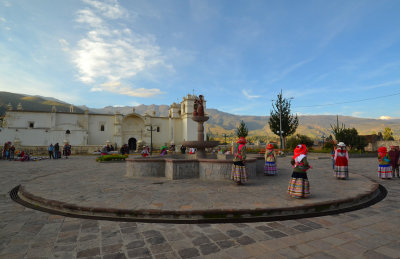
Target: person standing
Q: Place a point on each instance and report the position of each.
(384, 168)
(12, 152)
(51, 149)
(299, 187)
(57, 151)
(341, 162)
(394, 155)
(333, 151)
(270, 161)
(183, 149)
(239, 173)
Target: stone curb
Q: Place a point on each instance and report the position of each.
(200, 216)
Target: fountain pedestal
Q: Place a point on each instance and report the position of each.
(200, 144)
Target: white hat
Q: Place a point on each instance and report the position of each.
(341, 144)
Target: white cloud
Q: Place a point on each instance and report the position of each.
(64, 44)
(2, 19)
(357, 114)
(117, 87)
(7, 4)
(385, 117)
(249, 96)
(110, 52)
(110, 9)
(96, 89)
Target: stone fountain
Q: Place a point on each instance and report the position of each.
(200, 118)
(199, 166)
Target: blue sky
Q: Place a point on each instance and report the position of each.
(238, 54)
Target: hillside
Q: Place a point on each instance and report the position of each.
(220, 123)
(32, 103)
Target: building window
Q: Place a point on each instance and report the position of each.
(102, 127)
(158, 129)
(68, 132)
(31, 124)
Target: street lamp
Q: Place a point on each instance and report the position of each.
(151, 138)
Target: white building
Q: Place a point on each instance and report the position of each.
(32, 128)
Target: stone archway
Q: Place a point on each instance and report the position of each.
(132, 144)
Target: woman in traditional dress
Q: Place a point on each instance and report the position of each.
(299, 186)
(145, 151)
(270, 161)
(239, 173)
(384, 168)
(341, 162)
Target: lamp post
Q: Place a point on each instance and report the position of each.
(323, 140)
(151, 138)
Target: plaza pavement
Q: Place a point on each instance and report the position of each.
(373, 232)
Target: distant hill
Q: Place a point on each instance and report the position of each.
(219, 123)
(32, 103)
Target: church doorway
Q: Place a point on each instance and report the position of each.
(132, 144)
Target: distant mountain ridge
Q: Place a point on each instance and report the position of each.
(219, 123)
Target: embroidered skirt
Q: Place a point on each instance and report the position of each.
(385, 171)
(270, 168)
(299, 187)
(341, 171)
(239, 173)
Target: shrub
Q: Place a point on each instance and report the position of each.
(299, 139)
(113, 157)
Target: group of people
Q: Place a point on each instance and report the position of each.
(55, 153)
(8, 151)
(388, 162)
(299, 186)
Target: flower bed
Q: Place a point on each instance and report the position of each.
(114, 157)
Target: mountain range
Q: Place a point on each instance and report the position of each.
(220, 123)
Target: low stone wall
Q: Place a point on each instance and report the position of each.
(215, 169)
(172, 169)
(181, 169)
(142, 167)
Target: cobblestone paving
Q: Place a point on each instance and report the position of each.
(373, 232)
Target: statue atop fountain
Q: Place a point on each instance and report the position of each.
(200, 118)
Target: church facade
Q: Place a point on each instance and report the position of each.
(32, 128)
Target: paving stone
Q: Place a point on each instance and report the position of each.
(89, 252)
(376, 255)
(218, 237)
(139, 253)
(209, 248)
(160, 248)
(302, 228)
(275, 234)
(151, 233)
(119, 255)
(201, 240)
(110, 249)
(135, 244)
(225, 243)
(155, 240)
(234, 233)
(245, 240)
(188, 253)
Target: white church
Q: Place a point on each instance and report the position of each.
(32, 128)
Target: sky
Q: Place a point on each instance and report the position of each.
(331, 57)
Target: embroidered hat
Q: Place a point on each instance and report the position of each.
(241, 140)
(270, 146)
(300, 150)
(341, 144)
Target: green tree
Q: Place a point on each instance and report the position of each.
(299, 139)
(242, 130)
(282, 119)
(349, 136)
(388, 134)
